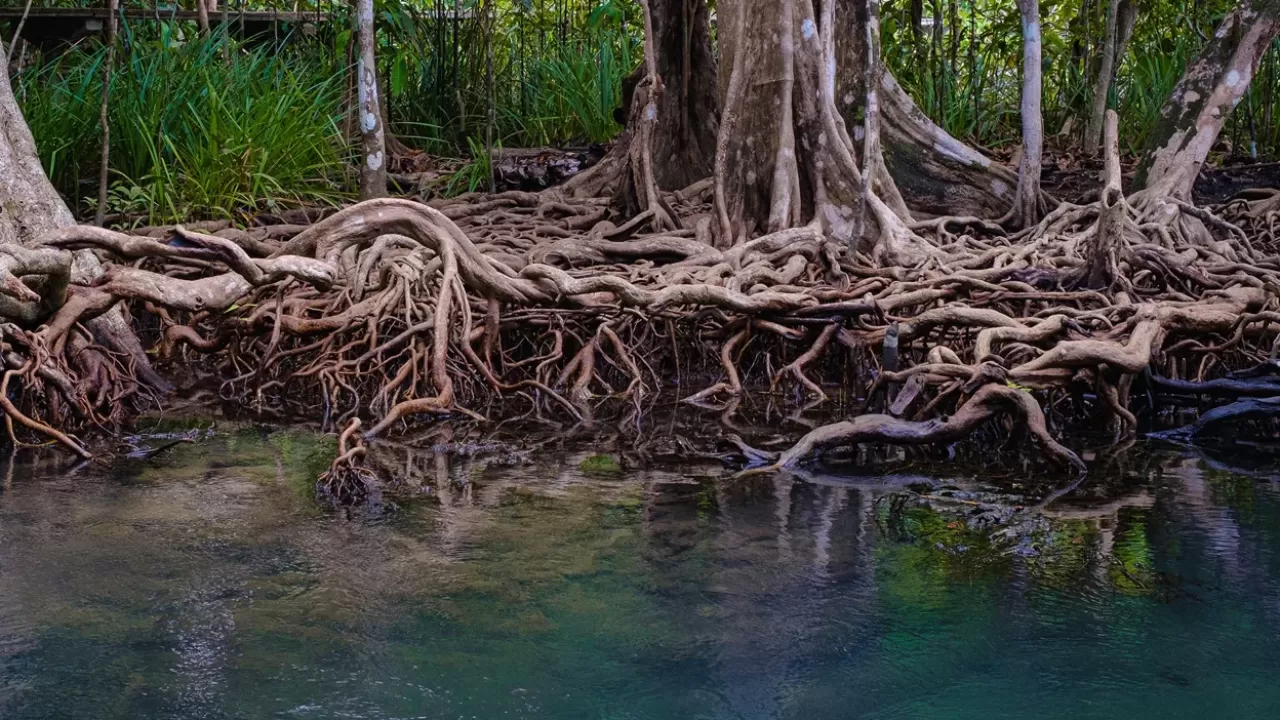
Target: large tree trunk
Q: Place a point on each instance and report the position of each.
(1204, 98)
(30, 207)
(784, 156)
(793, 83)
(682, 132)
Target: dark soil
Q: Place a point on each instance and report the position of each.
(1078, 180)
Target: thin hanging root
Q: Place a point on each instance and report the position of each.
(583, 369)
(796, 368)
(12, 413)
(732, 384)
(636, 388)
(987, 403)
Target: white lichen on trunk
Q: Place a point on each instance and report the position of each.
(373, 167)
(1204, 99)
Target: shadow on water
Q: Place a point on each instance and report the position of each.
(600, 578)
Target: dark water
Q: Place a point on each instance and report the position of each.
(211, 586)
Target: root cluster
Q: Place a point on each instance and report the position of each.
(390, 311)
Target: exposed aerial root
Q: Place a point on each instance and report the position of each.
(390, 312)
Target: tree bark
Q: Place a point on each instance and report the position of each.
(30, 208)
(1102, 83)
(104, 117)
(682, 132)
(1028, 206)
(1204, 98)
(373, 165)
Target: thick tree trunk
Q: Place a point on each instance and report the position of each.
(373, 165)
(682, 132)
(784, 156)
(922, 167)
(1028, 205)
(936, 173)
(794, 87)
(30, 207)
(1204, 98)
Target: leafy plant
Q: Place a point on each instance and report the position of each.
(205, 127)
(474, 175)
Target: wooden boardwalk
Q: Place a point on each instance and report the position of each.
(50, 27)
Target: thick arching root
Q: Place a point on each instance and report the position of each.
(392, 311)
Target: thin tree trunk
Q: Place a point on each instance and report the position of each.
(1102, 254)
(373, 165)
(104, 117)
(871, 151)
(17, 35)
(1204, 99)
(1102, 83)
(202, 17)
(1124, 32)
(1028, 206)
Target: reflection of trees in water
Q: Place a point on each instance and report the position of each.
(777, 575)
(757, 583)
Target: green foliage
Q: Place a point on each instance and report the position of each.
(200, 127)
(967, 77)
(475, 175)
(600, 464)
(525, 75)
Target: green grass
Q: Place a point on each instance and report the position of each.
(209, 127)
(196, 131)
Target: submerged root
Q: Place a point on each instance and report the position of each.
(348, 481)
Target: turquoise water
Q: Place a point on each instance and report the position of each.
(210, 585)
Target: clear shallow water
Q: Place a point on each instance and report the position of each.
(211, 586)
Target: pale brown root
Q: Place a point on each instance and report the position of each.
(988, 402)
